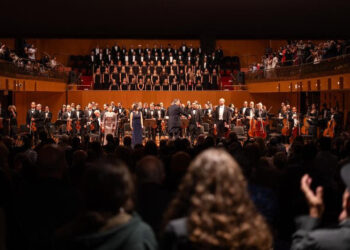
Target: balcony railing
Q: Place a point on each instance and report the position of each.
(35, 71)
(331, 66)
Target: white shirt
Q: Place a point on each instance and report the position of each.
(221, 112)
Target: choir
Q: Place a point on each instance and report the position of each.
(171, 68)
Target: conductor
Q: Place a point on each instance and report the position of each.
(174, 124)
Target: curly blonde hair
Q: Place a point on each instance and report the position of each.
(214, 197)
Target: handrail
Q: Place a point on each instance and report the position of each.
(12, 69)
(329, 66)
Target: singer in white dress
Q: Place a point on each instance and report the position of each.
(109, 123)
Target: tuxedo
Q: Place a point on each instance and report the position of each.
(39, 118)
(80, 115)
(222, 117)
(259, 113)
(196, 119)
(242, 111)
(151, 113)
(160, 114)
(72, 115)
(89, 113)
(29, 116)
(48, 117)
(174, 124)
(121, 112)
(248, 113)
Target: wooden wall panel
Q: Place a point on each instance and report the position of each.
(9, 42)
(249, 51)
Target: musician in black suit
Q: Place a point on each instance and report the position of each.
(47, 119)
(325, 116)
(260, 113)
(95, 125)
(81, 118)
(71, 116)
(30, 114)
(221, 118)
(151, 114)
(39, 119)
(195, 122)
(160, 114)
(249, 113)
(174, 125)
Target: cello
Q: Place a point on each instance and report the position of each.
(285, 130)
(296, 128)
(252, 126)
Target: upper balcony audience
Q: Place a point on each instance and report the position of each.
(300, 52)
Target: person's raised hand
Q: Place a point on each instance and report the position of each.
(314, 199)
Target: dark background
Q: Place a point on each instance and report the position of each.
(308, 19)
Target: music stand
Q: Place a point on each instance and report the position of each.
(150, 123)
(184, 125)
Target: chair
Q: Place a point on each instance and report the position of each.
(205, 128)
(239, 130)
(127, 129)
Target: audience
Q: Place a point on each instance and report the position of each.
(301, 52)
(26, 60)
(215, 194)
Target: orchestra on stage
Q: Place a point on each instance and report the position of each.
(152, 121)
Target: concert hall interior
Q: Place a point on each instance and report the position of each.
(189, 125)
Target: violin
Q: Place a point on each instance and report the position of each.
(77, 125)
(1, 122)
(329, 131)
(163, 125)
(33, 126)
(69, 125)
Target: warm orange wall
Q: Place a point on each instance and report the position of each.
(22, 102)
(249, 51)
(21, 84)
(9, 42)
(130, 97)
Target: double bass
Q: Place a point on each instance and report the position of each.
(260, 128)
(305, 128)
(329, 131)
(295, 130)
